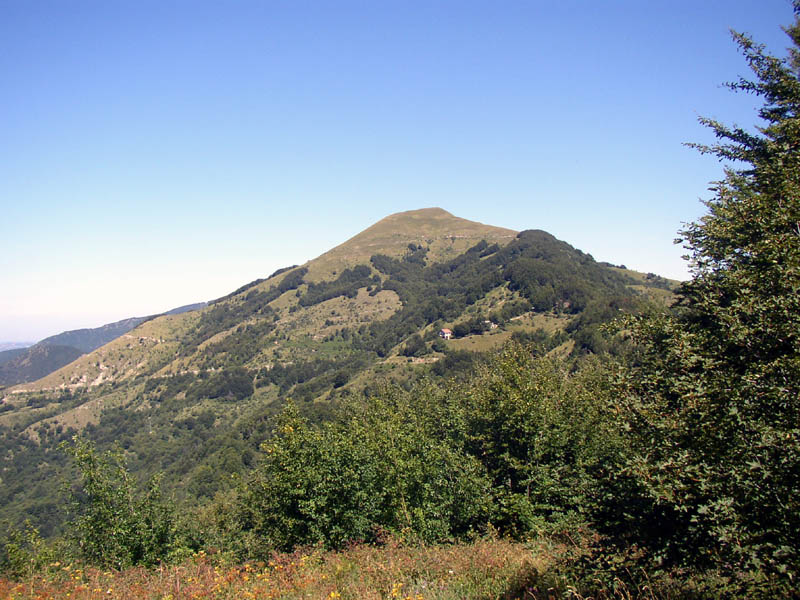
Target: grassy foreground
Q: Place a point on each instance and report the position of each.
(480, 570)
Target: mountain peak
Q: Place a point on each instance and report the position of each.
(443, 233)
(433, 212)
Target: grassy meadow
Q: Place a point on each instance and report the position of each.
(484, 569)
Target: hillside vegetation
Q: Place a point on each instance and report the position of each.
(192, 394)
(50, 354)
(613, 446)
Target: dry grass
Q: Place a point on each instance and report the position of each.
(531, 321)
(142, 350)
(445, 235)
(481, 342)
(484, 569)
(658, 296)
(327, 317)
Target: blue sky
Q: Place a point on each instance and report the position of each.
(158, 153)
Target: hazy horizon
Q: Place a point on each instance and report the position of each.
(157, 155)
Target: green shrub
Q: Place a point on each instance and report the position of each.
(112, 525)
(544, 435)
(26, 553)
(342, 482)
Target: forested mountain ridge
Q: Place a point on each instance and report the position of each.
(89, 339)
(37, 361)
(386, 267)
(192, 393)
(7, 355)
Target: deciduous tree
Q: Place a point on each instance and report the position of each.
(714, 401)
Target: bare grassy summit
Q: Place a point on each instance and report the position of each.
(445, 234)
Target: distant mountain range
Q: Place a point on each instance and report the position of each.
(9, 353)
(20, 365)
(35, 362)
(14, 345)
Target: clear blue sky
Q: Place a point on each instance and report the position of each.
(157, 153)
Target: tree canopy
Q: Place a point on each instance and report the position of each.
(713, 397)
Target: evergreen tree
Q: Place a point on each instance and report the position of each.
(713, 482)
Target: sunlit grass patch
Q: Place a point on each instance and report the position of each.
(483, 569)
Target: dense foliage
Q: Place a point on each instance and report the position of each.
(519, 448)
(547, 273)
(378, 469)
(441, 462)
(113, 526)
(712, 397)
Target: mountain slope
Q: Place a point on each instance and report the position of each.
(394, 287)
(272, 304)
(36, 362)
(192, 394)
(88, 339)
(7, 355)
(444, 234)
(51, 353)
(58, 350)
